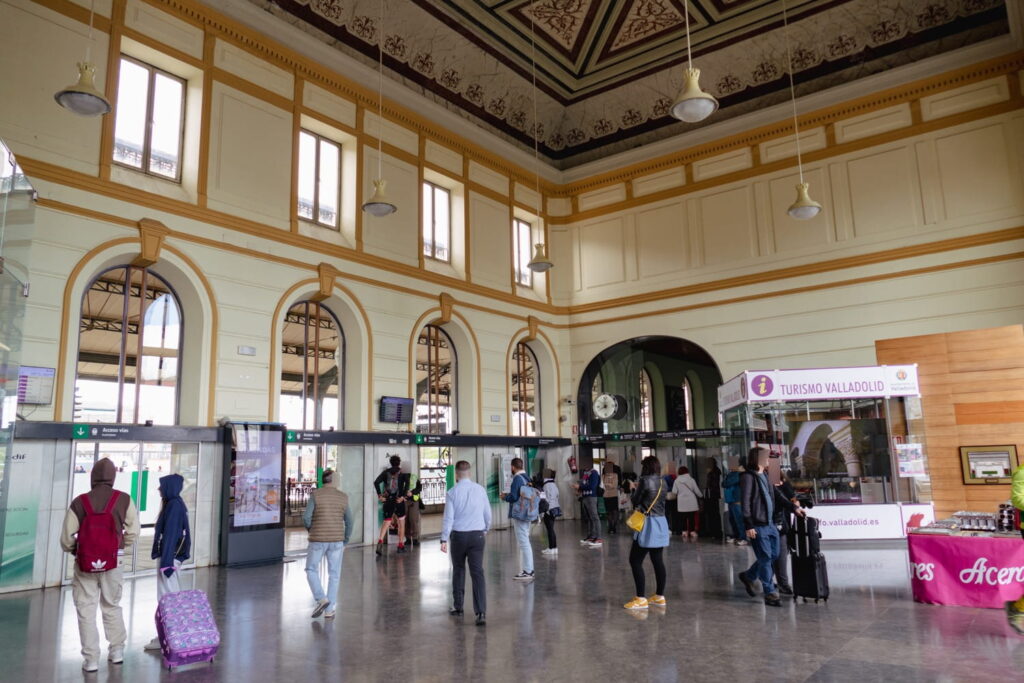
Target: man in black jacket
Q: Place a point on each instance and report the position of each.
(759, 500)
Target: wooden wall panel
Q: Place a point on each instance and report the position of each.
(972, 394)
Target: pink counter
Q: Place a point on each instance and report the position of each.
(970, 571)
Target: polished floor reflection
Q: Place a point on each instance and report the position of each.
(567, 626)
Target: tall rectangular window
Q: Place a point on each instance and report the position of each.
(319, 180)
(437, 222)
(522, 235)
(150, 119)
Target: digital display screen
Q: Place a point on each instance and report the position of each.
(395, 409)
(256, 475)
(35, 385)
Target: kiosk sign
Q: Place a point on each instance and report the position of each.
(831, 383)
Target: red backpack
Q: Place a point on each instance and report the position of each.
(98, 537)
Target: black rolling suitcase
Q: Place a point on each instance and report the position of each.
(810, 572)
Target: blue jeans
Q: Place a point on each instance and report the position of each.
(315, 553)
(522, 530)
(766, 549)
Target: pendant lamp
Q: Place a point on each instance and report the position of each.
(804, 208)
(693, 104)
(540, 263)
(378, 204)
(82, 97)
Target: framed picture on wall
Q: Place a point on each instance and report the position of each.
(988, 464)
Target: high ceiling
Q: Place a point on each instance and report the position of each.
(608, 70)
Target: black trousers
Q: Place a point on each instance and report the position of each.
(549, 524)
(611, 511)
(468, 545)
(781, 563)
(636, 563)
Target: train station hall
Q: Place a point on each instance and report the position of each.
(512, 340)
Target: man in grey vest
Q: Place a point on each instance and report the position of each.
(328, 518)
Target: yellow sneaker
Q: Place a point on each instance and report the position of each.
(657, 600)
(636, 603)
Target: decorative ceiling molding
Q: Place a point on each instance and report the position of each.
(609, 69)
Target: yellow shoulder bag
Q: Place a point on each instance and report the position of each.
(637, 520)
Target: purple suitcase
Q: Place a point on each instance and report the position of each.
(185, 626)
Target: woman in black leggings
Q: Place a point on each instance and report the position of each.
(649, 497)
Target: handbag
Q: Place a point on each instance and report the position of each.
(637, 520)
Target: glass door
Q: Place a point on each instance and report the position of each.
(139, 467)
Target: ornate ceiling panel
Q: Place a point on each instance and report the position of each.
(607, 70)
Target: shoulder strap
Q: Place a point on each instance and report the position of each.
(86, 503)
(656, 496)
(110, 503)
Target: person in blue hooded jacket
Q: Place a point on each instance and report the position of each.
(172, 540)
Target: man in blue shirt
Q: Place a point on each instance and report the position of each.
(587, 488)
(467, 518)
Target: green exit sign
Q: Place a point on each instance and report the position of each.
(79, 431)
(290, 436)
(419, 438)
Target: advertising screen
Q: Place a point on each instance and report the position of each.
(256, 476)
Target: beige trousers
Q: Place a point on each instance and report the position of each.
(103, 589)
(412, 519)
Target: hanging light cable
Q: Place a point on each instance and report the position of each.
(693, 104)
(540, 262)
(378, 204)
(82, 97)
(804, 207)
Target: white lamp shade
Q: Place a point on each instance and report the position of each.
(378, 204)
(804, 207)
(82, 97)
(693, 104)
(540, 262)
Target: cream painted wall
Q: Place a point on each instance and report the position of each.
(949, 182)
(953, 182)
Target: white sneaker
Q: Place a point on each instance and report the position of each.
(523, 576)
(116, 655)
(596, 544)
(90, 665)
(550, 552)
(152, 645)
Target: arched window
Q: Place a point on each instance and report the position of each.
(312, 362)
(436, 367)
(646, 402)
(525, 392)
(688, 402)
(129, 349)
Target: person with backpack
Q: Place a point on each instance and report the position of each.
(97, 525)
(392, 489)
(523, 502)
(413, 509)
(731, 486)
(172, 540)
(328, 518)
(553, 512)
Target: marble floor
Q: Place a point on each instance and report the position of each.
(566, 626)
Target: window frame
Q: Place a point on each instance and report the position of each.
(125, 320)
(315, 220)
(646, 401)
(322, 312)
(433, 360)
(518, 258)
(523, 355)
(147, 139)
(432, 254)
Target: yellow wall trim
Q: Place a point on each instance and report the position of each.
(873, 258)
(1014, 256)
